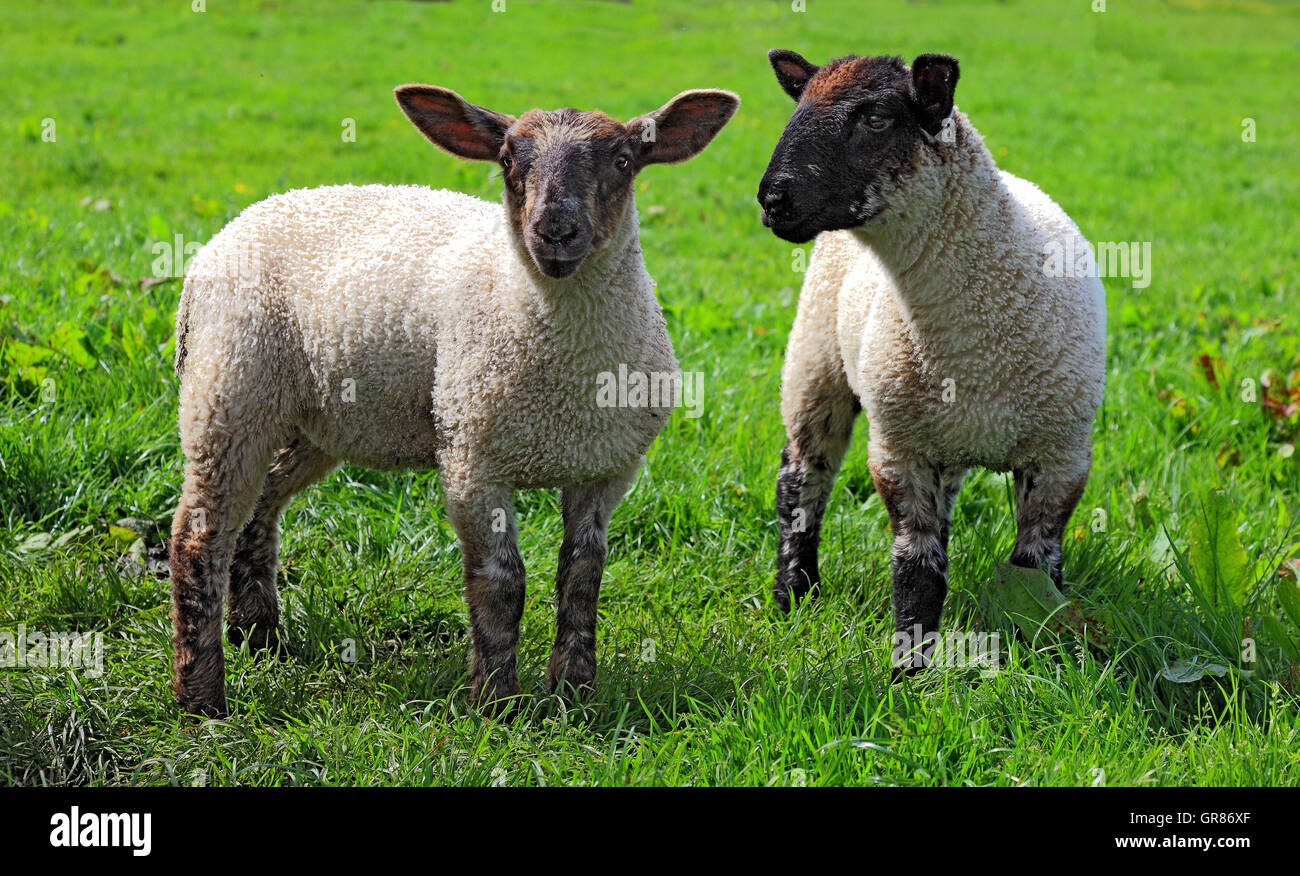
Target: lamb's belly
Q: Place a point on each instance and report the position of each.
(373, 406)
(950, 433)
(397, 435)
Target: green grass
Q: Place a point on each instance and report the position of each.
(170, 122)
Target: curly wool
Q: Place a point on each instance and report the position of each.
(943, 322)
(402, 327)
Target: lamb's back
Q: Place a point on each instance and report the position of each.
(1000, 364)
(387, 249)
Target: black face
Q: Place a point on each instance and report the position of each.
(855, 136)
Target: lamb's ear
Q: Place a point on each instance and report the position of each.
(452, 123)
(681, 128)
(934, 80)
(792, 71)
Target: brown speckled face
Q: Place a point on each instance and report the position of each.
(568, 180)
(854, 137)
(568, 174)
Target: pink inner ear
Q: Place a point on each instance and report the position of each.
(461, 136)
(436, 105)
(791, 70)
(691, 112)
(443, 121)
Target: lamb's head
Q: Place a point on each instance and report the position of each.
(854, 139)
(568, 174)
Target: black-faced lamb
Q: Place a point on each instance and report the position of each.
(401, 327)
(926, 303)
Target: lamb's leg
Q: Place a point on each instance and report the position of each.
(919, 497)
(253, 607)
(1045, 499)
(587, 509)
(819, 409)
(494, 587)
(221, 487)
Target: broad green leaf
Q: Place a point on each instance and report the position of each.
(24, 360)
(70, 340)
(1034, 604)
(1217, 557)
(122, 537)
(1191, 671)
(70, 536)
(37, 541)
(1279, 635)
(1288, 593)
(1161, 552)
(22, 354)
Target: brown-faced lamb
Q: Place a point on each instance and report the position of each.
(399, 327)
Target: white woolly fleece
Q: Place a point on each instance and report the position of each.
(961, 349)
(398, 326)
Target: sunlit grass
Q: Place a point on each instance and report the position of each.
(169, 122)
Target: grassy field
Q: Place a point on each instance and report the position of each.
(128, 125)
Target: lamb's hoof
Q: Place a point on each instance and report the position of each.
(203, 704)
(263, 638)
(497, 696)
(574, 678)
(788, 598)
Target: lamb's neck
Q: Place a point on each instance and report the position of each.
(611, 279)
(938, 240)
(597, 283)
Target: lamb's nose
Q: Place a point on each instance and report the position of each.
(558, 232)
(775, 200)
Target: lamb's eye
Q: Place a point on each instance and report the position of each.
(878, 123)
(621, 162)
(507, 162)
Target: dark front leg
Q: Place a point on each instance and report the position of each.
(1045, 499)
(919, 497)
(494, 589)
(809, 464)
(800, 525)
(587, 510)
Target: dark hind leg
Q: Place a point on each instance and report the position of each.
(253, 608)
(221, 487)
(1045, 499)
